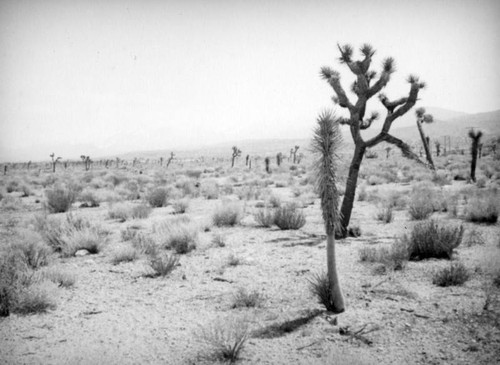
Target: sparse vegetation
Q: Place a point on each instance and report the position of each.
(227, 214)
(59, 200)
(454, 274)
(289, 216)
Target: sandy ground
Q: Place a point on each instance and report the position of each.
(115, 315)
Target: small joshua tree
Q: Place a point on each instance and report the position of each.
(267, 161)
(161, 161)
(367, 85)
(325, 144)
(246, 160)
(54, 161)
(236, 153)
(86, 162)
(438, 147)
(172, 156)
(425, 118)
(475, 136)
(294, 151)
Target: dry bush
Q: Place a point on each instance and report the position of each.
(289, 216)
(247, 299)
(37, 297)
(89, 198)
(227, 214)
(157, 197)
(224, 339)
(264, 217)
(210, 189)
(219, 240)
(483, 207)
(394, 256)
(179, 234)
(180, 206)
(58, 276)
(473, 237)
(384, 214)
(162, 264)
(145, 244)
(59, 200)
(31, 249)
(120, 211)
(430, 239)
(455, 274)
(123, 254)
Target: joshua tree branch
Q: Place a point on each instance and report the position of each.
(404, 147)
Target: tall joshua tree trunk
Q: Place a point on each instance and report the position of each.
(327, 138)
(367, 85)
(476, 137)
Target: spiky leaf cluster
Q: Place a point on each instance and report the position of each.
(325, 144)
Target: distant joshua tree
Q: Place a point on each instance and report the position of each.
(246, 160)
(54, 161)
(169, 161)
(387, 151)
(294, 151)
(425, 118)
(279, 157)
(161, 161)
(267, 161)
(29, 164)
(438, 147)
(236, 153)
(86, 162)
(475, 136)
(367, 85)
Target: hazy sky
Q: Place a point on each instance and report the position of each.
(100, 77)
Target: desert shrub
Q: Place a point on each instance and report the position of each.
(483, 207)
(384, 214)
(376, 180)
(274, 201)
(129, 233)
(120, 211)
(31, 249)
(441, 178)
(59, 200)
(12, 186)
(89, 198)
(394, 256)
(145, 244)
(455, 274)
(25, 189)
(187, 187)
(473, 237)
(162, 264)
(88, 239)
(451, 201)
(37, 297)
(13, 271)
(396, 200)
(219, 240)
(157, 197)
(430, 239)
(59, 277)
(247, 299)
(194, 174)
(481, 182)
(289, 216)
(224, 339)
(123, 254)
(420, 207)
(140, 211)
(264, 217)
(179, 234)
(362, 194)
(210, 189)
(227, 214)
(116, 179)
(180, 206)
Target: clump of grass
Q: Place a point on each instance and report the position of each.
(120, 211)
(89, 198)
(289, 216)
(264, 217)
(227, 214)
(320, 287)
(247, 299)
(420, 207)
(224, 339)
(86, 239)
(179, 234)
(362, 194)
(157, 197)
(140, 211)
(430, 239)
(59, 200)
(31, 249)
(394, 257)
(384, 214)
(145, 244)
(129, 233)
(13, 273)
(274, 201)
(483, 208)
(162, 264)
(123, 254)
(455, 274)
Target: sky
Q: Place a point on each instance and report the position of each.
(103, 77)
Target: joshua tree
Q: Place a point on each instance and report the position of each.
(387, 151)
(172, 155)
(425, 118)
(236, 153)
(161, 161)
(326, 141)
(294, 151)
(86, 162)
(246, 160)
(5, 169)
(438, 147)
(267, 161)
(476, 137)
(367, 85)
(279, 157)
(480, 150)
(54, 161)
